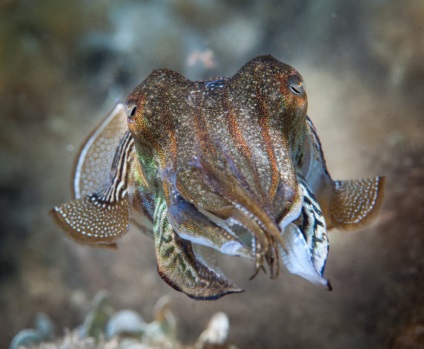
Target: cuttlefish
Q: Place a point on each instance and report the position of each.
(232, 164)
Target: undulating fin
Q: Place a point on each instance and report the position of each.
(91, 221)
(355, 203)
(104, 216)
(314, 169)
(93, 164)
(348, 204)
(178, 265)
(306, 241)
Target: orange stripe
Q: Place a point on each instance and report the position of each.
(235, 132)
(173, 147)
(263, 123)
(239, 140)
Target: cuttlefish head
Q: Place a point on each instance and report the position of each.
(222, 153)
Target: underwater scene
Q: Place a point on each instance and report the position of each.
(211, 174)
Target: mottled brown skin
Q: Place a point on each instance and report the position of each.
(233, 164)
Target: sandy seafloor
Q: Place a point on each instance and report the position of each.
(63, 65)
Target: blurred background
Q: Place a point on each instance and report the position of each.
(63, 66)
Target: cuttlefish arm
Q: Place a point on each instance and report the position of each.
(178, 265)
(346, 204)
(307, 241)
(199, 228)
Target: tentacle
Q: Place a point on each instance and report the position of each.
(192, 225)
(178, 265)
(258, 219)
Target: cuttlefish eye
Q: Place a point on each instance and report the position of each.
(296, 85)
(130, 109)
